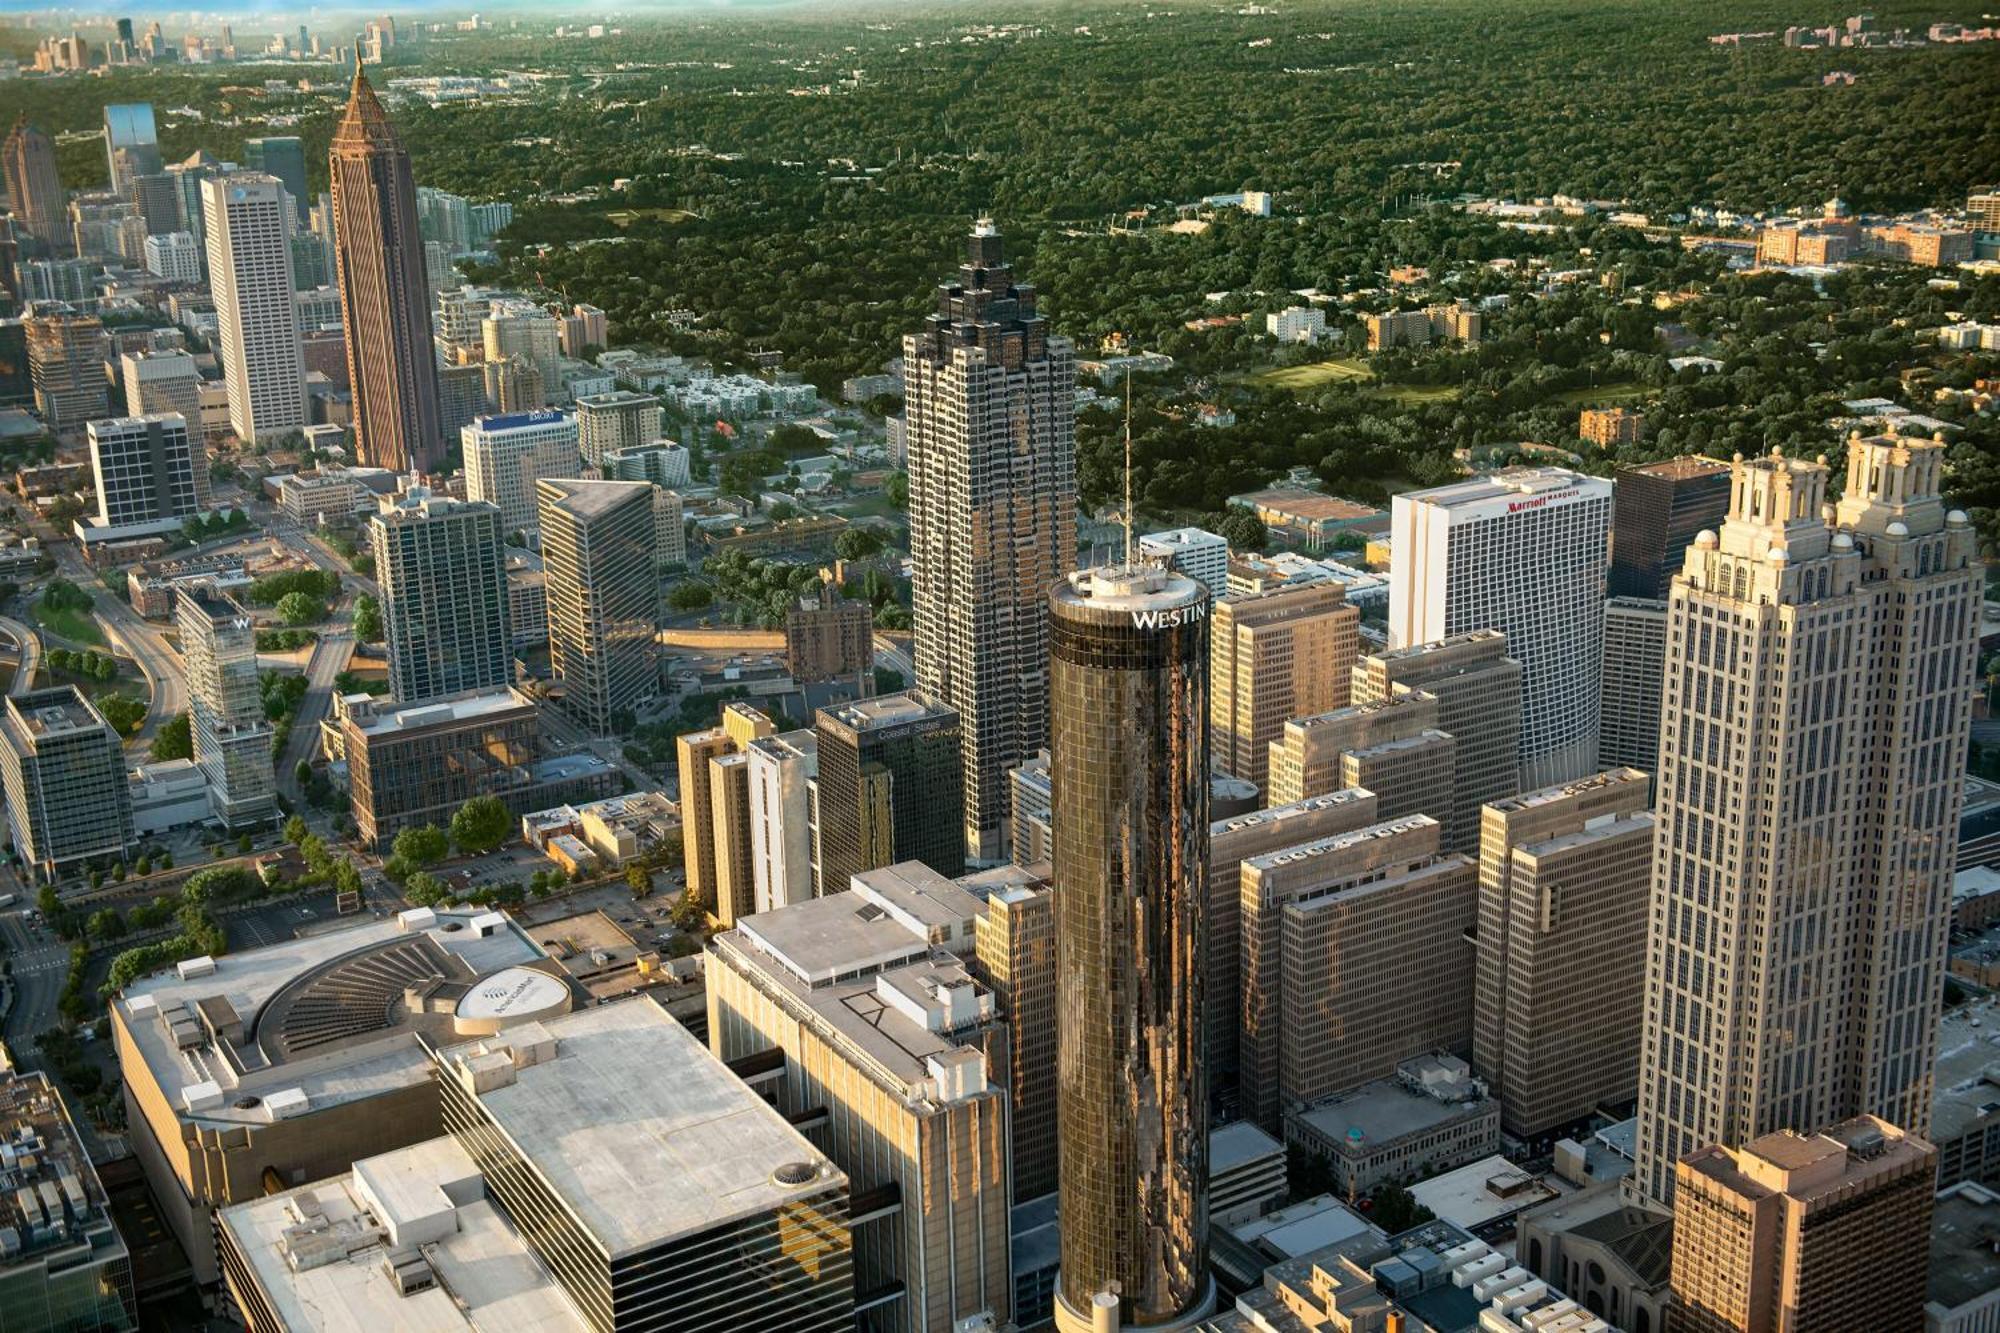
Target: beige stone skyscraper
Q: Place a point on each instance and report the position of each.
(384, 302)
(1230, 843)
(990, 421)
(1795, 1233)
(1478, 689)
(1563, 877)
(1014, 952)
(1393, 748)
(1353, 960)
(28, 162)
(1814, 725)
(1275, 655)
(714, 811)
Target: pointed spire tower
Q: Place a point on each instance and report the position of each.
(384, 297)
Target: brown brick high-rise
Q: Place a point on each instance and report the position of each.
(384, 308)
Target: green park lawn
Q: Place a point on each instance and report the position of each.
(1604, 395)
(1317, 373)
(76, 626)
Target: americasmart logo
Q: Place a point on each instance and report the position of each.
(1170, 619)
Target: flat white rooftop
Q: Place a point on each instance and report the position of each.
(488, 1278)
(642, 1133)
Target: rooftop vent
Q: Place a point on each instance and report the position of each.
(796, 1173)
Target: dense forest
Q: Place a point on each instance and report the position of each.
(799, 179)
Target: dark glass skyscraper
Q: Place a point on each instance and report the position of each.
(384, 303)
(1129, 754)
(1656, 509)
(283, 156)
(889, 787)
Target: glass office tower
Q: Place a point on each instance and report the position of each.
(1129, 751)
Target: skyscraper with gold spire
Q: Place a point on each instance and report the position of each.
(384, 309)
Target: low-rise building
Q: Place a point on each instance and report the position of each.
(600, 1171)
(279, 1066)
(616, 829)
(1309, 519)
(418, 763)
(329, 495)
(1609, 427)
(1433, 1116)
(1964, 1289)
(1201, 555)
(1246, 1173)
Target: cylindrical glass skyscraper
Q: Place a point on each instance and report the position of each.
(1129, 750)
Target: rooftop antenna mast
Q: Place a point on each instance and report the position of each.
(1128, 467)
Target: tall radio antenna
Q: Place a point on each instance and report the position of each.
(1128, 467)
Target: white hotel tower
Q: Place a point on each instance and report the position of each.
(1523, 551)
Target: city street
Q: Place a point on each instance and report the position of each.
(41, 965)
(29, 655)
(329, 659)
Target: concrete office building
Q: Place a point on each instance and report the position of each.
(1129, 744)
(732, 836)
(1564, 877)
(1276, 655)
(157, 383)
(602, 1172)
(1354, 960)
(1393, 749)
(723, 881)
(1478, 690)
(990, 430)
(1521, 551)
(1635, 663)
(282, 1065)
(505, 455)
(417, 764)
(598, 543)
(174, 256)
(151, 475)
(1656, 509)
(661, 462)
(889, 775)
(28, 164)
(1014, 955)
(67, 1269)
(384, 299)
(864, 1006)
(1810, 830)
(608, 423)
(442, 566)
(784, 818)
(232, 737)
(1195, 552)
(1230, 842)
(248, 224)
(1798, 1232)
(66, 355)
(1030, 831)
(64, 771)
